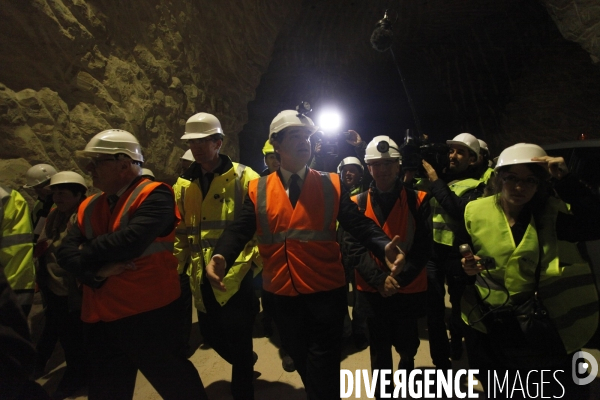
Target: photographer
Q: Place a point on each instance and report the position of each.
(328, 152)
(458, 185)
(484, 162)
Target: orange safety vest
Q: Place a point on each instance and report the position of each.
(400, 222)
(153, 284)
(298, 245)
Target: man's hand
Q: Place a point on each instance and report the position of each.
(353, 138)
(395, 258)
(317, 147)
(389, 287)
(431, 174)
(472, 267)
(115, 269)
(556, 166)
(215, 272)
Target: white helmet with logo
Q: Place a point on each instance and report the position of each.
(68, 177)
(38, 174)
(372, 153)
(467, 140)
(289, 118)
(188, 156)
(520, 153)
(350, 161)
(201, 125)
(114, 141)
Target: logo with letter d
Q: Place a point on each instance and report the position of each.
(579, 367)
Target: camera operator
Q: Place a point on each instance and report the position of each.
(328, 152)
(457, 185)
(484, 162)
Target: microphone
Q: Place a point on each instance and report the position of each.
(383, 36)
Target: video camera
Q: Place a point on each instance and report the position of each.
(330, 142)
(415, 149)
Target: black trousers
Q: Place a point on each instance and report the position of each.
(149, 342)
(391, 323)
(557, 379)
(439, 346)
(310, 327)
(185, 306)
(228, 329)
(68, 328)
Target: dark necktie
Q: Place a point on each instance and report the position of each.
(112, 201)
(208, 178)
(294, 189)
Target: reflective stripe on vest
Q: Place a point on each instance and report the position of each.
(13, 240)
(268, 237)
(443, 225)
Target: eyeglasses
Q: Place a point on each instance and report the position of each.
(528, 182)
(382, 164)
(97, 161)
(198, 142)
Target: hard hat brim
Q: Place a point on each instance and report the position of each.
(188, 136)
(463, 144)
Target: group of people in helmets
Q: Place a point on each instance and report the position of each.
(125, 264)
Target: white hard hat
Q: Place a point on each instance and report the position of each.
(147, 172)
(289, 118)
(68, 177)
(201, 125)
(350, 161)
(371, 152)
(483, 145)
(188, 156)
(114, 141)
(39, 173)
(520, 153)
(466, 139)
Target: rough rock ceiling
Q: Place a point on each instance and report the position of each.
(500, 69)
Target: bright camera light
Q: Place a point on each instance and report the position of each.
(330, 121)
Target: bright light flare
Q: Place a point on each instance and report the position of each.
(330, 121)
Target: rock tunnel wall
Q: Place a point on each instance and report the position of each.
(71, 68)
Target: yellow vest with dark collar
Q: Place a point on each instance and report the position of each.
(203, 220)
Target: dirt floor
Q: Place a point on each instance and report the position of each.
(272, 382)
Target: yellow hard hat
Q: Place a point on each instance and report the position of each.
(268, 148)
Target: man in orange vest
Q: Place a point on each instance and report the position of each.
(293, 213)
(121, 248)
(394, 303)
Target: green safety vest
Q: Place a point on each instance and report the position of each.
(443, 225)
(486, 175)
(566, 283)
(16, 244)
(203, 220)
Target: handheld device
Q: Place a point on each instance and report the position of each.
(466, 252)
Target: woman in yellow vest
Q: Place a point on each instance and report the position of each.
(514, 232)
